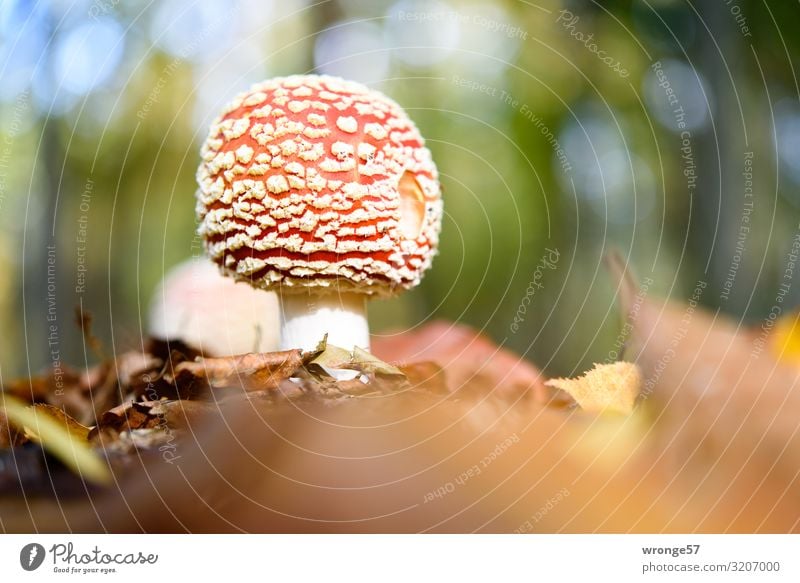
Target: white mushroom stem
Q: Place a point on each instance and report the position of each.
(307, 317)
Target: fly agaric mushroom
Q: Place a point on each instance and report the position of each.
(211, 313)
(322, 190)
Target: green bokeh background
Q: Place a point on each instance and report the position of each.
(77, 77)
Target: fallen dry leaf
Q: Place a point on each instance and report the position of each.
(332, 361)
(254, 371)
(75, 429)
(365, 362)
(10, 436)
(57, 437)
(128, 416)
(324, 361)
(607, 387)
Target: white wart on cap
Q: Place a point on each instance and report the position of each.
(319, 188)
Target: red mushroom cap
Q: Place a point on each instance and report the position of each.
(313, 181)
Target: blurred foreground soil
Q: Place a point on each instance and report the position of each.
(480, 445)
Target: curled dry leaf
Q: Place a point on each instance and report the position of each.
(365, 362)
(607, 387)
(330, 361)
(326, 359)
(126, 417)
(134, 415)
(336, 372)
(254, 371)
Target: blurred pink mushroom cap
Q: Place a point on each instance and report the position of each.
(214, 314)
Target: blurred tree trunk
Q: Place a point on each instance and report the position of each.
(40, 240)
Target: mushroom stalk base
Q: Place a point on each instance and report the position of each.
(306, 318)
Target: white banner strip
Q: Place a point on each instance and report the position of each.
(402, 558)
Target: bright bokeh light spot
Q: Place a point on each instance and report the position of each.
(612, 182)
(586, 136)
(626, 191)
(691, 93)
(87, 56)
(23, 36)
(422, 34)
(193, 30)
(353, 50)
(489, 39)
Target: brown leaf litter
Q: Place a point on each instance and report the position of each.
(143, 400)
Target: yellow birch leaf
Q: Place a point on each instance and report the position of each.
(607, 387)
